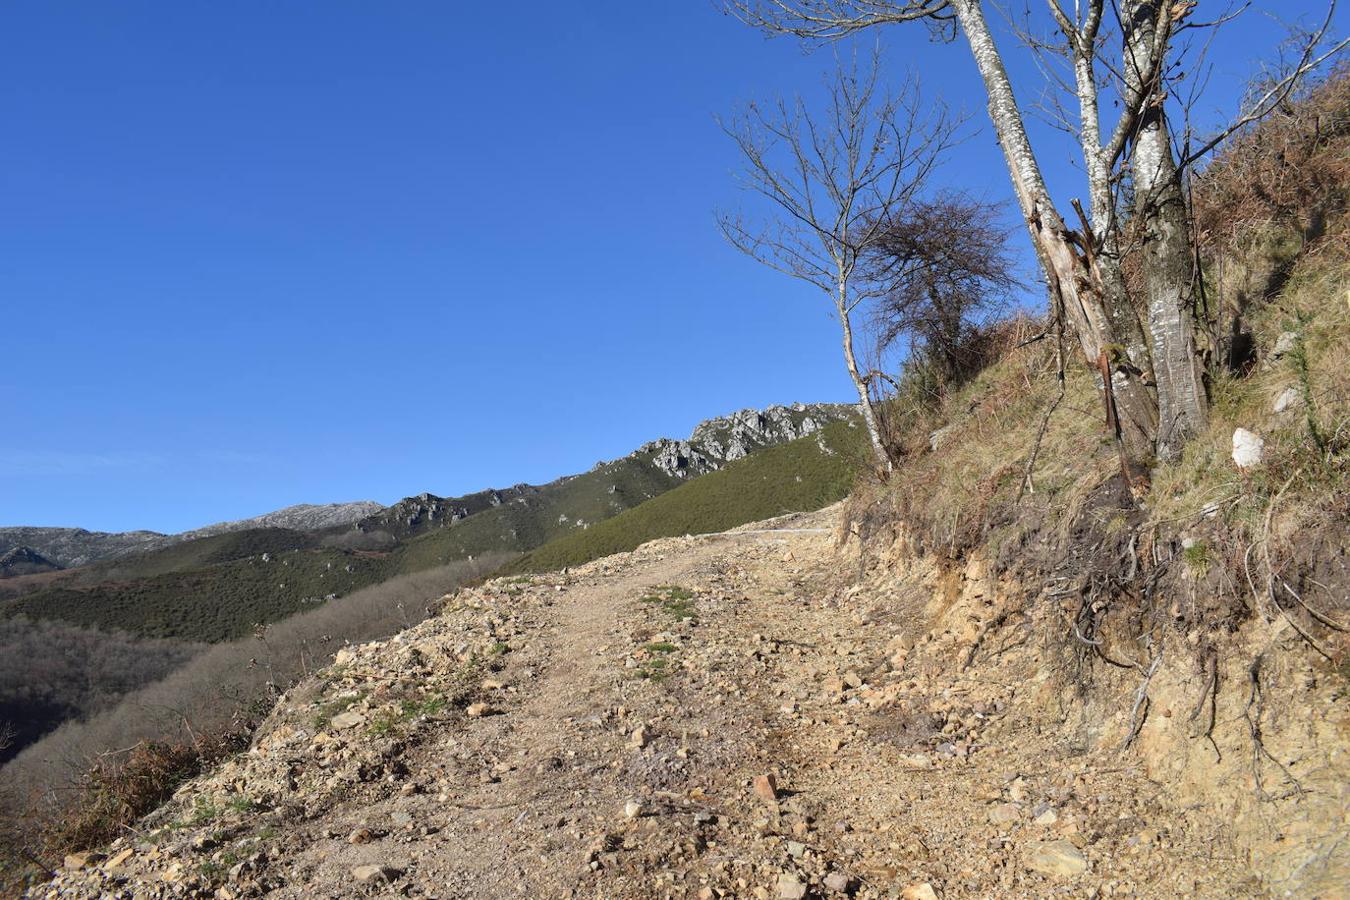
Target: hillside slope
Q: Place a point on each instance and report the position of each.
(718, 716)
(221, 586)
(609, 486)
(801, 475)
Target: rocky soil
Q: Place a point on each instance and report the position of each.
(741, 715)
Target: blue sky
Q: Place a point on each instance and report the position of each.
(254, 254)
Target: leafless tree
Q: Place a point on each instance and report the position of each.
(1082, 265)
(834, 180)
(949, 267)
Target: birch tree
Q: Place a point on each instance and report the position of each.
(1082, 264)
(833, 179)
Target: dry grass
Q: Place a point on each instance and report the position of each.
(969, 477)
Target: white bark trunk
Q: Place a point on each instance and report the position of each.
(1170, 279)
(883, 458)
(1078, 285)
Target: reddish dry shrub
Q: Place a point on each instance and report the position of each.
(122, 787)
(118, 789)
(1290, 170)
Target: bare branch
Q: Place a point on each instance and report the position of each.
(1281, 90)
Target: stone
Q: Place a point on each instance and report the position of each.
(478, 710)
(920, 891)
(1060, 859)
(632, 809)
(1288, 399)
(837, 882)
(937, 438)
(790, 887)
(119, 858)
(1046, 816)
(1005, 814)
(766, 788)
(639, 738)
(345, 720)
(76, 861)
(361, 836)
(796, 849)
(1284, 344)
(1248, 448)
(917, 760)
(374, 874)
(1017, 790)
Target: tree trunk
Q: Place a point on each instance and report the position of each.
(884, 462)
(1170, 280)
(1098, 318)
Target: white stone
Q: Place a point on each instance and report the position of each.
(1288, 399)
(1248, 448)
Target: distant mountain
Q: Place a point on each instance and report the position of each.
(205, 586)
(301, 517)
(24, 561)
(651, 469)
(73, 547)
(70, 547)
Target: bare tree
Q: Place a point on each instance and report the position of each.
(1082, 265)
(835, 180)
(949, 268)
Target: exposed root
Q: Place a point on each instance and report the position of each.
(1252, 713)
(1141, 700)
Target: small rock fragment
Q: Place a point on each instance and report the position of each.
(119, 858)
(374, 874)
(836, 881)
(766, 787)
(478, 710)
(921, 891)
(632, 809)
(790, 887)
(349, 719)
(1288, 399)
(1004, 814)
(1059, 858)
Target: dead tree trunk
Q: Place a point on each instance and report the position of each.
(1100, 317)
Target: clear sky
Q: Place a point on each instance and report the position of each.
(262, 253)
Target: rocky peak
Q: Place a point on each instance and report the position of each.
(24, 561)
(715, 442)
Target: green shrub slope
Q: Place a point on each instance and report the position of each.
(804, 474)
